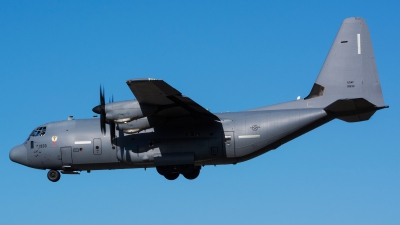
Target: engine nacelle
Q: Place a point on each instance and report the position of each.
(132, 156)
(126, 111)
(135, 126)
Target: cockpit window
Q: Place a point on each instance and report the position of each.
(40, 131)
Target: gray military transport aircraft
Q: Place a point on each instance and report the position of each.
(169, 131)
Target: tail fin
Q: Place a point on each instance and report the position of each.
(348, 80)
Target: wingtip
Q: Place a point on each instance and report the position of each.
(140, 79)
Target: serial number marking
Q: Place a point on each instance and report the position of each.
(350, 84)
(43, 146)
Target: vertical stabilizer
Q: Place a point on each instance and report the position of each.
(349, 71)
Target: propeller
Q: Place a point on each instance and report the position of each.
(112, 123)
(102, 112)
(101, 109)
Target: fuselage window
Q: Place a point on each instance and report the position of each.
(40, 131)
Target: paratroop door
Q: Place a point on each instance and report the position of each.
(66, 155)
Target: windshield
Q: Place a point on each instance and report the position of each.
(40, 131)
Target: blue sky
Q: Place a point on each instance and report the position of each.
(225, 55)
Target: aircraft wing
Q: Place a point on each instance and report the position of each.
(169, 101)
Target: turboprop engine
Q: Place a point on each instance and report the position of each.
(125, 111)
(138, 125)
(134, 126)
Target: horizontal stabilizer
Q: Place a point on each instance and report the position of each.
(352, 110)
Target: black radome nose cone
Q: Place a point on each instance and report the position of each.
(97, 109)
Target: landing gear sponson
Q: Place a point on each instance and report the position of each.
(190, 172)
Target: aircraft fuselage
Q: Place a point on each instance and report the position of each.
(79, 144)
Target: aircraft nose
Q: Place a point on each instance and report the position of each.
(19, 154)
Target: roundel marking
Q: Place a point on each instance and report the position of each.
(254, 127)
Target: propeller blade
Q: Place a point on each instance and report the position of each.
(102, 93)
(101, 109)
(103, 125)
(112, 130)
(102, 112)
(111, 100)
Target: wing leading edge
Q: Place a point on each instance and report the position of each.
(169, 101)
